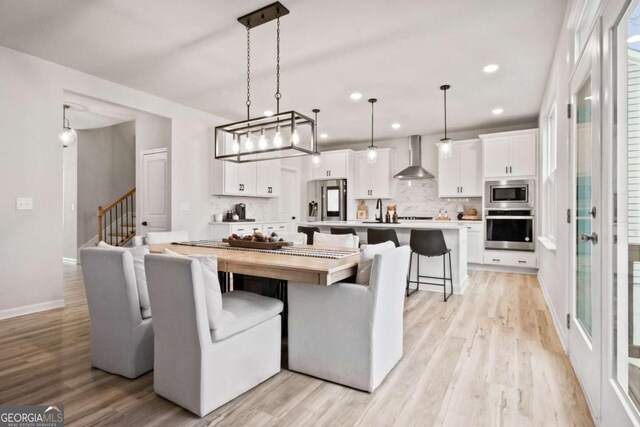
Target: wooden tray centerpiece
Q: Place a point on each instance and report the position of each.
(256, 241)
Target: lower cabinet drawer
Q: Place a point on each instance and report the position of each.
(280, 227)
(245, 229)
(511, 258)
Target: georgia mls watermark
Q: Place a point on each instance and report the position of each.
(32, 416)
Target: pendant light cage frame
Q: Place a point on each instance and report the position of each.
(288, 134)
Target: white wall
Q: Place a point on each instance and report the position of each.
(553, 271)
(32, 93)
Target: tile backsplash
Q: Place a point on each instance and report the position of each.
(420, 198)
(261, 209)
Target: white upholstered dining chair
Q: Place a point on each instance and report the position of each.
(121, 334)
(158, 237)
(348, 333)
(335, 240)
(207, 356)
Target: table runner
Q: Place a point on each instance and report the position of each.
(327, 253)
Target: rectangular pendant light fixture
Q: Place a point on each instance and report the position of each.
(282, 135)
(266, 138)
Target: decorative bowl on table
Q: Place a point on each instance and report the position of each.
(256, 240)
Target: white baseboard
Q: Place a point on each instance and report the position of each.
(69, 260)
(503, 269)
(29, 309)
(558, 323)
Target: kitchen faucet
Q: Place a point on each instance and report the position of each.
(379, 206)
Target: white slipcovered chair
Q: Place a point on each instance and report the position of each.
(198, 367)
(158, 237)
(121, 339)
(347, 333)
(336, 240)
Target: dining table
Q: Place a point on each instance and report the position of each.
(300, 263)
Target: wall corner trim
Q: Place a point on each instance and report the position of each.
(32, 308)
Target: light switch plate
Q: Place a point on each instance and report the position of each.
(185, 206)
(24, 203)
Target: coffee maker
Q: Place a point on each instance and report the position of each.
(241, 210)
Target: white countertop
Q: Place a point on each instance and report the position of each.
(417, 224)
(247, 222)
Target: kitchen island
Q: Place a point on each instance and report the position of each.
(455, 234)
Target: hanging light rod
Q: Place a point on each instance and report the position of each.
(263, 15)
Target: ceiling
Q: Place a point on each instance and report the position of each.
(193, 52)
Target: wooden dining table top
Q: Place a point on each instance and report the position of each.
(318, 271)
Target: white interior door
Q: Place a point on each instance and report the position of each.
(154, 194)
(289, 200)
(585, 342)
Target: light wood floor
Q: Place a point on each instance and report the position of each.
(490, 357)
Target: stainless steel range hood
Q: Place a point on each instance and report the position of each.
(415, 171)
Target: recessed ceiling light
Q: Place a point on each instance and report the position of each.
(324, 136)
(497, 111)
(396, 125)
(634, 38)
(491, 68)
(588, 98)
(268, 113)
(355, 96)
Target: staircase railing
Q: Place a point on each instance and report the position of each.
(117, 222)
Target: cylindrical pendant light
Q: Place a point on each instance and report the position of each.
(68, 136)
(445, 146)
(372, 154)
(315, 158)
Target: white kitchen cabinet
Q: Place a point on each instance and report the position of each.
(510, 154)
(333, 165)
(275, 227)
(511, 258)
(373, 180)
(251, 179)
(461, 174)
(239, 178)
(475, 243)
(268, 178)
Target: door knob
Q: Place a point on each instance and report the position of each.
(144, 223)
(593, 238)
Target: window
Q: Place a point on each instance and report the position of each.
(549, 175)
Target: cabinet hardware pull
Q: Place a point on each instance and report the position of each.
(496, 259)
(510, 169)
(522, 262)
(506, 169)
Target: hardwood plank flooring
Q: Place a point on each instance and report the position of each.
(488, 358)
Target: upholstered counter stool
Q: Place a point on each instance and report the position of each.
(429, 243)
(381, 235)
(309, 232)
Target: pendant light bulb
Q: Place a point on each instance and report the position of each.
(316, 159)
(235, 145)
(409, 183)
(68, 137)
(262, 142)
(248, 143)
(372, 154)
(277, 139)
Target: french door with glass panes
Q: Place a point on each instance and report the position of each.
(585, 326)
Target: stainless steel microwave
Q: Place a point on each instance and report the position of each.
(510, 194)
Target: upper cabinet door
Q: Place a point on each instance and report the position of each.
(333, 165)
(449, 174)
(373, 180)
(380, 175)
(522, 154)
(247, 178)
(496, 157)
(268, 178)
(471, 169)
(231, 178)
